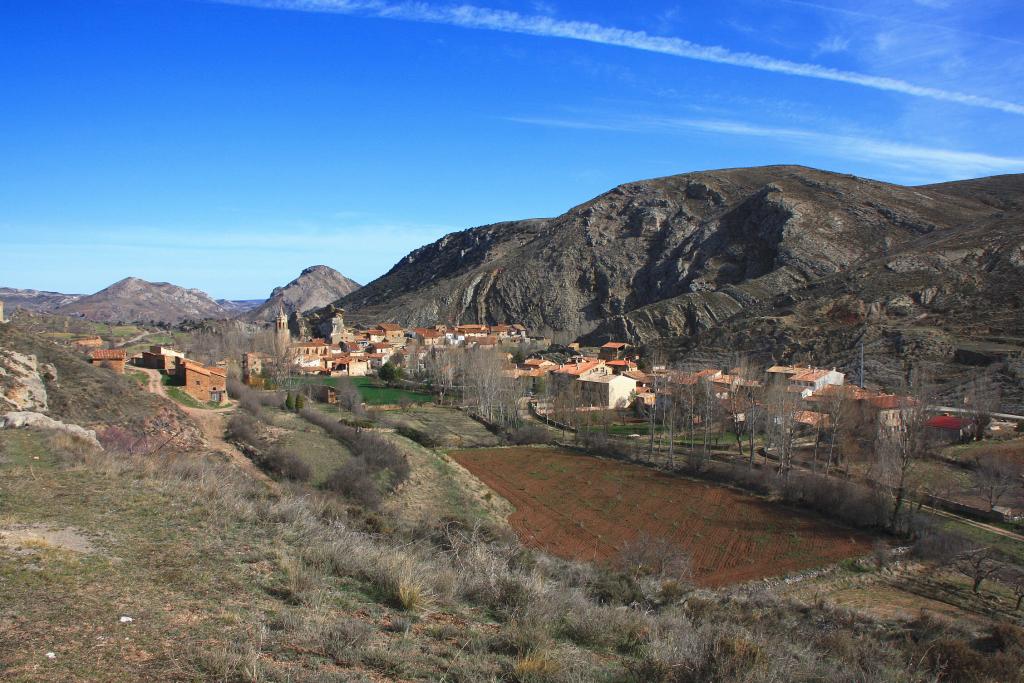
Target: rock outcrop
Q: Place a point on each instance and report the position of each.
(315, 287)
(17, 420)
(23, 381)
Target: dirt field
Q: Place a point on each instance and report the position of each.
(585, 508)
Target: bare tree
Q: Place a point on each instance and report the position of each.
(903, 445)
(977, 563)
(782, 405)
(836, 411)
(654, 556)
(1013, 578)
(981, 400)
(996, 476)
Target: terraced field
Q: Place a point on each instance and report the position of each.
(586, 508)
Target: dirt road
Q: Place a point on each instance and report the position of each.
(212, 423)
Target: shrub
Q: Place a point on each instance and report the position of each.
(245, 428)
(615, 588)
(354, 481)
(529, 434)
(283, 463)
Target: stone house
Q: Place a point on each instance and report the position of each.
(111, 359)
(427, 336)
(160, 358)
(205, 384)
(389, 332)
(613, 350)
(349, 366)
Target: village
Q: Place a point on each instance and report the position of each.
(504, 375)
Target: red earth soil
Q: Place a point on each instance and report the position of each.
(585, 508)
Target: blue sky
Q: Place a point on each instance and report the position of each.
(226, 145)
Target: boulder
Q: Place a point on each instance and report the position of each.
(20, 419)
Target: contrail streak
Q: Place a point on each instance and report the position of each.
(473, 17)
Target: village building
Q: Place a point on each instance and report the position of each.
(575, 368)
(349, 366)
(111, 359)
(282, 335)
(373, 335)
(541, 365)
(804, 380)
(950, 429)
(427, 336)
(253, 364)
(607, 390)
(387, 332)
(91, 342)
(383, 349)
(613, 350)
(313, 348)
(205, 384)
(471, 331)
(621, 367)
(160, 358)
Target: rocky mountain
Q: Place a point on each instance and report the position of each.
(781, 260)
(236, 307)
(34, 300)
(135, 300)
(315, 287)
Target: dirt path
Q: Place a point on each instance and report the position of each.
(212, 424)
(991, 528)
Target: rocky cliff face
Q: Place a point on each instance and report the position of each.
(135, 300)
(707, 246)
(315, 287)
(707, 258)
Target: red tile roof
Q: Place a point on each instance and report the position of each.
(947, 422)
(108, 354)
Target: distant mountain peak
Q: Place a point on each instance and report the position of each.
(315, 287)
(133, 299)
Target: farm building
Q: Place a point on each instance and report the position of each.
(111, 359)
(160, 358)
(202, 383)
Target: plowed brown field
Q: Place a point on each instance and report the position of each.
(585, 508)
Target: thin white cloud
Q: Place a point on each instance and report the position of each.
(470, 16)
(934, 161)
(832, 44)
(893, 19)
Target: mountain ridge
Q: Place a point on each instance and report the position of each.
(133, 299)
(681, 259)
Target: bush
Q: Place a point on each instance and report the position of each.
(355, 481)
(529, 434)
(245, 428)
(282, 463)
(376, 452)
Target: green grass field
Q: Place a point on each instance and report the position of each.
(375, 394)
